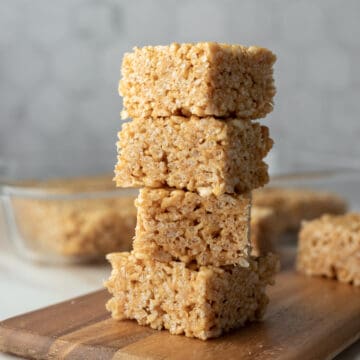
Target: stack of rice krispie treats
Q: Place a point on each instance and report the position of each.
(193, 147)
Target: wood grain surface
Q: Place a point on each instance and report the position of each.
(308, 318)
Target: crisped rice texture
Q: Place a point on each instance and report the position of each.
(292, 205)
(182, 225)
(330, 246)
(200, 302)
(205, 155)
(198, 79)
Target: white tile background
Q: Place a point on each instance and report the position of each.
(59, 67)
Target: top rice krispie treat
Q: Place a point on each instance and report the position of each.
(198, 79)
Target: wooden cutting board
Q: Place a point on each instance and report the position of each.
(308, 318)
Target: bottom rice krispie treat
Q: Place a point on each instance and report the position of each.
(330, 246)
(200, 302)
(292, 205)
(264, 230)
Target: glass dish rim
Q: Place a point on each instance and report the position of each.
(8, 189)
(32, 192)
(313, 175)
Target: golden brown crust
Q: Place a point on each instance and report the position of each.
(203, 79)
(330, 246)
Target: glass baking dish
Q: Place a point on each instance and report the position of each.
(343, 182)
(82, 219)
(70, 220)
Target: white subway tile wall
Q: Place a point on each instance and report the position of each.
(60, 60)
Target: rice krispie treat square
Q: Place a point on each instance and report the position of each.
(200, 302)
(264, 230)
(198, 79)
(205, 155)
(330, 246)
(292, 205)
(182, 225)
